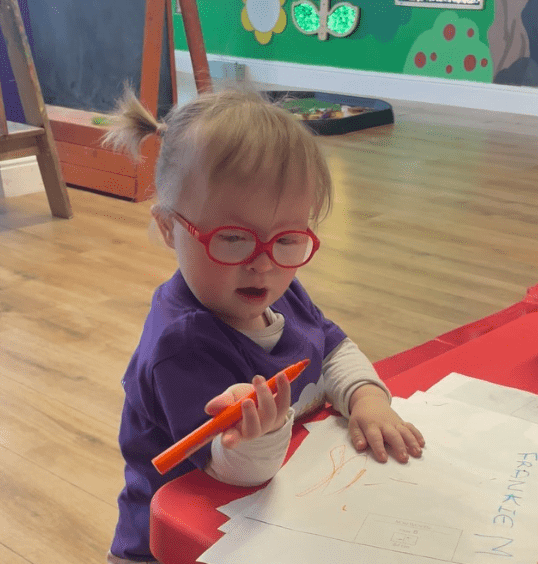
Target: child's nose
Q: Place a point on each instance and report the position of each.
(262, 263)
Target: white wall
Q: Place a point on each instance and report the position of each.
(464, 94)
(19, 177)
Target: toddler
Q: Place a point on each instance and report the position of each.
(241, 186)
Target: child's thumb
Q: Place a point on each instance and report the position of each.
(229, 396)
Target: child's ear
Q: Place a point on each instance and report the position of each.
(165, 223)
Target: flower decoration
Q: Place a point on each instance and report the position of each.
(264, 17)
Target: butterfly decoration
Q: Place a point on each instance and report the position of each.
(340, 21)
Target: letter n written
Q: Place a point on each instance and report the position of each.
(488, 541)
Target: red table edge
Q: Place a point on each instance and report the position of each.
(393, 365)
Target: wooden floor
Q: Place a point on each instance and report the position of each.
(435, 225)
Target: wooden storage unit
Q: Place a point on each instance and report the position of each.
(86, 164)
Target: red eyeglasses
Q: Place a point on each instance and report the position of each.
(234, 245)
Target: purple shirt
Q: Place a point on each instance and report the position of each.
(186, 357)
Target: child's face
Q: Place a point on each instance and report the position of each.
(216, 285)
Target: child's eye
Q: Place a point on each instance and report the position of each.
(231, 237)
(289, 240)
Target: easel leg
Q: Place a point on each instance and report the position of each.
(195, 41)
(22, 64)
(51, 173)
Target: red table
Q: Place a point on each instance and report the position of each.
(403, 361)
(184, 519)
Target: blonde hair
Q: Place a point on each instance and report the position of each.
(232, 135)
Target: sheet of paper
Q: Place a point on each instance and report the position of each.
(239, 505)
(234, 510)
(503, 399)
(470, 498)
(256, 542)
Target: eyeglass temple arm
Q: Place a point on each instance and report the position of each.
(188, 226)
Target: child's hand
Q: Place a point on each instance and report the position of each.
(373, 422)
(269, 416)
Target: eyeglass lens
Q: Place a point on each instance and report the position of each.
(233, 246)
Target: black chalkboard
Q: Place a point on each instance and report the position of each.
(86, 49)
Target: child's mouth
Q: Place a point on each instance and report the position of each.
(252, 293)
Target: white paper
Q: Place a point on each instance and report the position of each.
(502, 399)
(234, 510)
(259, 543)
(470, 499)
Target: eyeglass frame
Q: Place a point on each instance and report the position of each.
(259, 249)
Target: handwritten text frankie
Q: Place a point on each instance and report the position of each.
(506, 513)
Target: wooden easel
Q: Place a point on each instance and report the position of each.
(35, 137)
(84, 161)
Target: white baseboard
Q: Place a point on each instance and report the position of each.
(19, 177)
(459, 93)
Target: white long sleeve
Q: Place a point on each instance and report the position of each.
(253, 462)
(344, 370)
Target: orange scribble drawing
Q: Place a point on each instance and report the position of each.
(338, 461)
(403, 481)
(355, 479)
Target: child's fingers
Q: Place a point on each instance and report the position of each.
(395, 437)
(218, 403)
(267, 410)
(250, 424)
(417, 434)
(404, 439)
(412, 442)
(239, 391)
(273, 409)
(375, 439)
(283, 397)
(255, 421)
(357, 436)
(231, 437)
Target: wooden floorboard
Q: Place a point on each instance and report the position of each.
(435, 224)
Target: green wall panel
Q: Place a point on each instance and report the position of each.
(386, 39)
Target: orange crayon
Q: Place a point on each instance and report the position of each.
(194, 441)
